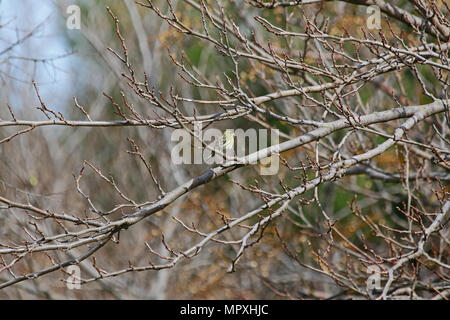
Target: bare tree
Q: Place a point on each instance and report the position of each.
(358, 208)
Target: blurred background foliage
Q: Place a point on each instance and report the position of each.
(46, 172)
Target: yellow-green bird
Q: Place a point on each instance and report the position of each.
(225, 142)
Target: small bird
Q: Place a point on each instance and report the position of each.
(225, 142)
